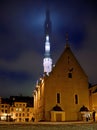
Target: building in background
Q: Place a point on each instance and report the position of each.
(93, 99)
(4, 109)
(17, 108)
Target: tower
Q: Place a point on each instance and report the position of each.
(47, 61)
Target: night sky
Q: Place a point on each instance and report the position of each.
(22, 40)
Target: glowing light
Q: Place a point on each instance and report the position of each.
(20, 109)
(47, 44)
(47, 47)
(3, 118)
(47, 38)
(47, 62)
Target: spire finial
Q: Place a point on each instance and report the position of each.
(66, 36)
(47, 61)
(47, 24)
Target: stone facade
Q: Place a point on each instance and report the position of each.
(66, 86)
(20, 112)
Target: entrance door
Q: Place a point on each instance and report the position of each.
(58, 117)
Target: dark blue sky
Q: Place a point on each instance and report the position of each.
(22, 40)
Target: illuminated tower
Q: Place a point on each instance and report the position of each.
(47, 61)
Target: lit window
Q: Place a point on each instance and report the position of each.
(20, 109)
(58, 97)
(76, 99)
(17, 109)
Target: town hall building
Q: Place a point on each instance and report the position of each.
(60, 95)
(63, 91)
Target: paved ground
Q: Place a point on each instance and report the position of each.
(49, 126)
(49, 123)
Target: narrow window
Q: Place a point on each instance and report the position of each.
(69, 75)
(19, 114)
(76, 99)
(58, 97)
(23, 114)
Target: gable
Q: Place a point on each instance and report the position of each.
(68, 64)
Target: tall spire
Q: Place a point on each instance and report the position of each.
(47, 23)
(47, 61)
